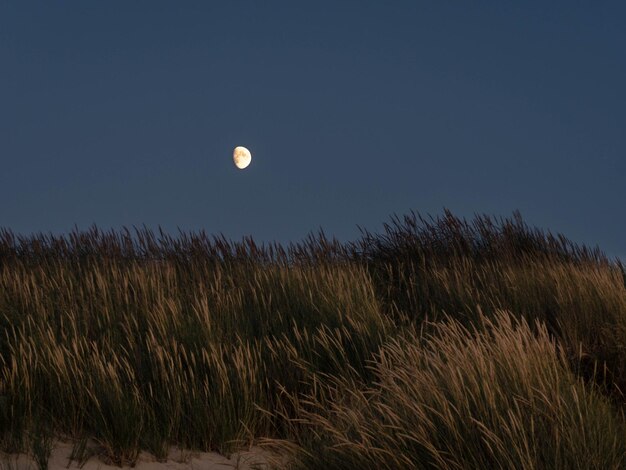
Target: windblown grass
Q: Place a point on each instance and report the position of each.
(149, 354)
(501, 396)
(141, 340)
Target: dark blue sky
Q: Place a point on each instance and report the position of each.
(126, 113)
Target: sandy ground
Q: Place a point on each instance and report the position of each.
(177, 460)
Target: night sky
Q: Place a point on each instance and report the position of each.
(126, 113)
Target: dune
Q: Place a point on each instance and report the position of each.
(178, 459)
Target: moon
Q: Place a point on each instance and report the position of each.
(242, 157)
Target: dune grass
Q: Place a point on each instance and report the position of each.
(393, 349)
(497, 396)
(146, 355)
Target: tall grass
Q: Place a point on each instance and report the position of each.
(146, 355)
(142, 340)
(501, 396)
(424, 269)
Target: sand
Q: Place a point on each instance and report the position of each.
(254, 458)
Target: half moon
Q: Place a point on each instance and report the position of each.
(242, 157)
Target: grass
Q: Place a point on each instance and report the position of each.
(498, 396)
(392, 351)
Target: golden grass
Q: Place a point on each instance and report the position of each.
(499, 396)
(142, 341)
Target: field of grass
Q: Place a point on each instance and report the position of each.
(438, 343)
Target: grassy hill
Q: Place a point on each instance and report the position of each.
(438, 343)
